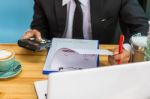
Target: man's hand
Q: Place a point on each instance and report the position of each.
(124, 57)
(32, 33)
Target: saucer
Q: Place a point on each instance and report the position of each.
(14, 71)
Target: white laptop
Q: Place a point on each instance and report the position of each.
(128, 81)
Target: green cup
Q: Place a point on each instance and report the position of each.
(7, 59)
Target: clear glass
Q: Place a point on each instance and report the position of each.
(138, 44)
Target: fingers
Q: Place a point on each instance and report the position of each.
(123, 57)
(111, 60)
(27, 35)
(37, 35)
(32, 33)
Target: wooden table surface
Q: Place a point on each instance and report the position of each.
(22, 86)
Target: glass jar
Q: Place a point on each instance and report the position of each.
(138, 44)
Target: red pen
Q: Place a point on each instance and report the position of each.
(121, 40)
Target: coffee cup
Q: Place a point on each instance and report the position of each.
(7, 59)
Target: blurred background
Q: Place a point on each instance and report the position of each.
(15, 18)
(16, 15)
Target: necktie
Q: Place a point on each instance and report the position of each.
(78, 21)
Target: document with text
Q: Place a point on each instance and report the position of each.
(73, 54)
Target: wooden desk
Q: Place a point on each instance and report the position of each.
(21, 86)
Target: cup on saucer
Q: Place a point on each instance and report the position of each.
(9, 67)
(7, 59)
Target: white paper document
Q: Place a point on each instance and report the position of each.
(41, 89)
(94, 51)
(73, 54)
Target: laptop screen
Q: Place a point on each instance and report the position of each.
(127, 81)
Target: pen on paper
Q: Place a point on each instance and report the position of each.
(120, 48)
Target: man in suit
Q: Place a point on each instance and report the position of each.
(54, 18)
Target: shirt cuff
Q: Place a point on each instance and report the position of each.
(127, 47)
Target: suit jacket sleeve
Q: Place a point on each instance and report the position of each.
(133, 16)
(39, 21)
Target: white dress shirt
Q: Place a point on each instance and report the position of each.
(85, 5)
(87, 30)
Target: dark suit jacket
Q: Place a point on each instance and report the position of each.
(50, 18)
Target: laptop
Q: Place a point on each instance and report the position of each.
(127, 81)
